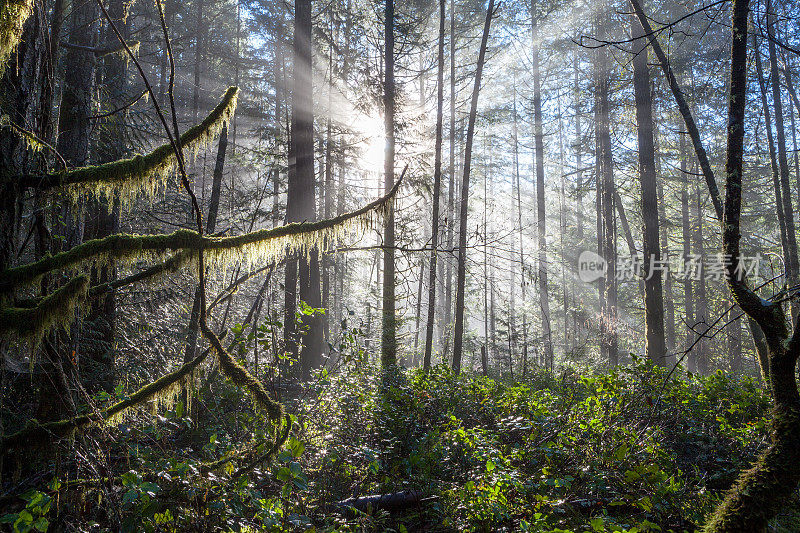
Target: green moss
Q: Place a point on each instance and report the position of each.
(57, 309)
(13, 14)
(258, 245)
(241, 377)
(761, 490)
(141, 174)
(121, 246)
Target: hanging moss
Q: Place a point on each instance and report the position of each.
(257, 246)
(121, 246)
(162, 390)
(241, 377)
(141, 175)
(13, 14)
(57, 309)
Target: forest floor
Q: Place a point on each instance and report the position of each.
(626, 450)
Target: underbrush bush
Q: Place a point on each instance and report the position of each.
(630, 449)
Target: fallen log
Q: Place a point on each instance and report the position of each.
(392, 502)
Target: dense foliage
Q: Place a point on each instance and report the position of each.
(627, 450)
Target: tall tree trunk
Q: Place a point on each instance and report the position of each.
(302, 274)
(102, 219)
(688, 296)
(607, 233)
(412, 359)
(328, 190)
(562, 229)
(541, 226)
(485, 347)
(518, 186)
(656, 349)
(389, 319)
(451, 187)
(458, 332)
(669, 301)
(73, 144)
(199, 41)
(773, 159)
(763, 489)
(702, 319)
(792, 267)
(437, 188)
(577, 96)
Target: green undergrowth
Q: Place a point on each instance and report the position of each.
(623, 450)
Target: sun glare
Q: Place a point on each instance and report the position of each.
(373, 144)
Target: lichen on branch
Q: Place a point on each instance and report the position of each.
(13, 14)
(140, 175)
(57, 309)
(261, 245)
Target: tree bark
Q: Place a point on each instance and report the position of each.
(302, 274)
(792, 267)
(656, 349)
(701, 318)
(458, 332)
(607, 224)
(763, 489)
(773, 158)
(389, 318)
(437, 188)
(686, 225)
(541, 226)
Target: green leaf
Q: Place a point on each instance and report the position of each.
(41, 524)
(284, 474)
(130, 497)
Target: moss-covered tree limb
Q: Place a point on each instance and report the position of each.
(35, 431)
(249, 453)
(13, 14)
(103, 49)
(123, 246)
(241, 377)
(141, 172)
(269, 454)
(56, 309)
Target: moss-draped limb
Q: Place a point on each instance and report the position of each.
(54, 310)
(241, 377)
(13, 14)
(119, 246)
(270, 454)
(165, 386)
(250, 454)
(261, 245)
(141, 173)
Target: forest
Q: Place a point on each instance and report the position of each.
(430, 265)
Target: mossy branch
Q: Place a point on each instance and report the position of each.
(164, 386)
(249, 452)
(54, 310)
(141, 173)
(13, 14)
(241, 377)
(103, 50)
(291, 237)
